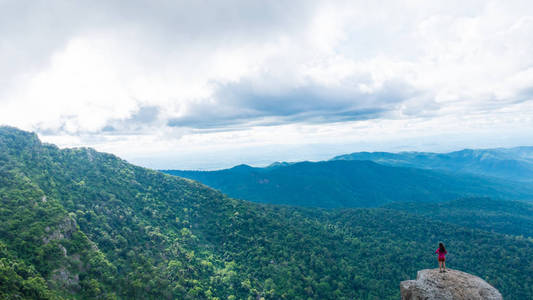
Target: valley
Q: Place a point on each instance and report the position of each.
(77, 223)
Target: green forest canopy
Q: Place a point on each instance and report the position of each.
(83, 224)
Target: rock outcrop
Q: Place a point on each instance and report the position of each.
(64, 230)
(431, 284)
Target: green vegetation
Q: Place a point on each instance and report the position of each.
(349, 183)
(508, 217)
(81, 224)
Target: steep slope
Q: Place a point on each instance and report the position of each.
(510, 164)
(133, 233)
(40, 239)
(348, 183)
(508, 217)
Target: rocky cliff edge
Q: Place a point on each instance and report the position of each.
(430, 284)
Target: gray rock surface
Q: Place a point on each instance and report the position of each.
(64, 230)
(431, 284)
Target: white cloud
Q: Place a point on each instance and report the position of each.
(115, 75)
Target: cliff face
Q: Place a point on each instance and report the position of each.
(456, 285)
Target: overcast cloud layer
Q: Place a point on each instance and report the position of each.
(208, 84)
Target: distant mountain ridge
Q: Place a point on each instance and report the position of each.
(506, 163)
(349, 183)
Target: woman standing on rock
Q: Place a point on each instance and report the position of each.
(441, 251)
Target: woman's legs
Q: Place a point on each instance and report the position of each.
(440, 265)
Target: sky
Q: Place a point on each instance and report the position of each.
(211, 84)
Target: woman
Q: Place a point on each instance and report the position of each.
(441, 251)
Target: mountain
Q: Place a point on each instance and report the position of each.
(79, 224)
(350, 183)
(510, 164)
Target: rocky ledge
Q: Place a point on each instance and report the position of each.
(431, 284)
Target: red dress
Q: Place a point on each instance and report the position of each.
(442, 255)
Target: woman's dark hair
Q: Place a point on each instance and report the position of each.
(441, 248)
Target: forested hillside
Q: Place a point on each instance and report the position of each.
(77, 223)
(350, 183)
(508, 217)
